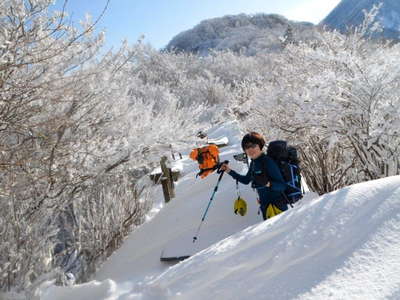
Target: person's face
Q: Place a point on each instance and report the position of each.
(252, 150)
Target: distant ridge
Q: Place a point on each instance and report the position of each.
(251, 34)
(248, 34)
(349, 13)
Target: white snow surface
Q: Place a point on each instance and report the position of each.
(343, 245)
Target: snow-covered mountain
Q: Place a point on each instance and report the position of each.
(246, 33)
(349, 13)
(343, 245)
(251, 34)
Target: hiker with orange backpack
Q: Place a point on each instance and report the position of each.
(208, 160)
(264, 174)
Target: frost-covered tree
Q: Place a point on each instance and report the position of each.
(76, 126)
(337, 99)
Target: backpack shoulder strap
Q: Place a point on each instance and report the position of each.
(265, 167)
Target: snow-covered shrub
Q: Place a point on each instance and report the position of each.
(74, 123)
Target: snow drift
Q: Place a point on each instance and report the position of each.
(344, 245)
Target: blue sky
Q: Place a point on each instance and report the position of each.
(160, 20)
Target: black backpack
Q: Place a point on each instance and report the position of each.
(288, 162)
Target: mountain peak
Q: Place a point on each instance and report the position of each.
(350, 13)
(239, 33)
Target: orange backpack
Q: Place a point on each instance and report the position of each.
(207, 157)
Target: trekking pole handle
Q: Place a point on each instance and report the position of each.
(219, 166)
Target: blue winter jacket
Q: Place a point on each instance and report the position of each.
(267, 195)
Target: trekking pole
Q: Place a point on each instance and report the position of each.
(211, 199)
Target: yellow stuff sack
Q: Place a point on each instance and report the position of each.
(240, 206)
(272, 211)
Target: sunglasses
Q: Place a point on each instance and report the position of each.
(248, 146)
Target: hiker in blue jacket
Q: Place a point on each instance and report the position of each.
(264, 174)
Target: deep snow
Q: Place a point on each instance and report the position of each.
(343, 245)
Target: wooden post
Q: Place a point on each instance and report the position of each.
(165, 188)
(166, 180)
(172, 184)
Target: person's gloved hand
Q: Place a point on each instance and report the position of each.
(225, 167)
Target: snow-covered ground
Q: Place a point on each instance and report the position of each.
(343, 245)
